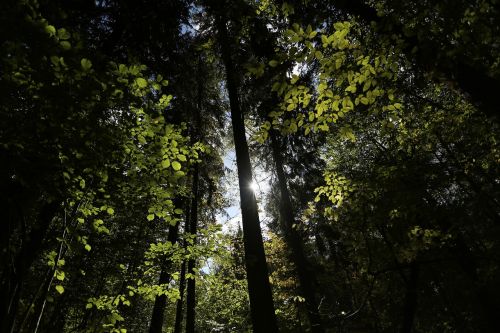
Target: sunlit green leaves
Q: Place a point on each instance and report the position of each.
(141, 82)
(60, 289)
(165, 163)
(176, 165)
(59, 275)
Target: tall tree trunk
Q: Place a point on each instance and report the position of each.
(410, 306)
(294, 240)
(191, 282)
(259, 289)
(11, 289)
(161, 300)
(179, 308)
(193, 223)
(179, 312)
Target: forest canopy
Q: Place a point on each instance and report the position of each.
(249, 166)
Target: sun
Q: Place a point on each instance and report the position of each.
(254, 186)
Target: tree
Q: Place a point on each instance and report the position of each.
(261, 303)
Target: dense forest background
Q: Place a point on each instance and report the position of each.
(374, 123)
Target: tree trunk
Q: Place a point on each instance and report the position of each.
(179, 312)
(179, 309)
(294, 240)
(161, 300)
(410, 306)
(259, 289)
(191, 282)
(12, 285)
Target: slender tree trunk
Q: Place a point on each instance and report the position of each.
(157, 317)
(259, 289)
(179, 313)
(294, 240)
(410, 306)
(180, 302)
(191, 283)
(193, 223)
(31, 306)
(11, 290)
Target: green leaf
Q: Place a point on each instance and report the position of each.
(176, 165)
(60, 289)
(51, 30)
(122, 69)
(110, 211)
(63, 34)
(86, 64)
(181, 157)
(54, 60)
(273, 63)
(165, 163)
(142, 83)
(88, 247)
(65, 45)
(60, 276)
(324, 39)
(89, 306)
(151, 217)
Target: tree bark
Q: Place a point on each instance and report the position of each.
(12, 285)
(179, 313)
(191, 282)
(294, 241)
(157, 317)
(259, 289)
(410, 306)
